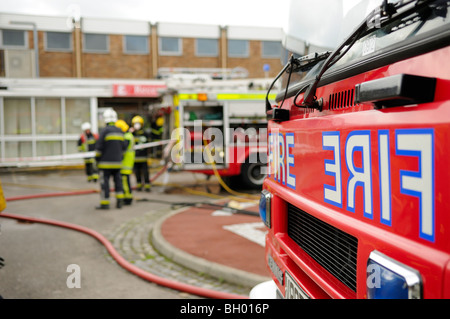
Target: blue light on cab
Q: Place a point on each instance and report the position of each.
(264, 207)
(389, 279)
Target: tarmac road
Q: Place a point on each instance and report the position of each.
(43, 261)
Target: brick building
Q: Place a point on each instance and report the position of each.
(104, 48)
(56, 73)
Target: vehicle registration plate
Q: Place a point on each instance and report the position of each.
(293, 290)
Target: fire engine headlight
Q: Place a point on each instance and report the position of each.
(389, 279)
(264, 207)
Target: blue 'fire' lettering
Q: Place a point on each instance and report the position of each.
(409, 142)
(419, 143)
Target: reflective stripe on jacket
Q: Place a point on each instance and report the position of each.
(141, 137)
(110, 147)
(86, 143)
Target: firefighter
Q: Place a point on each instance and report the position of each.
(141, 169)
(109, 150)
(127, 161)
(86, 143)
(157, 132)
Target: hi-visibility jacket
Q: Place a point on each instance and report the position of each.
(128, 156)
(157, 133)
(141, 137)
(110, 147)
(86, 143)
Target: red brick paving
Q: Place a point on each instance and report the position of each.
(198, 233)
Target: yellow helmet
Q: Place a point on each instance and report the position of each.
(122, 125)
(137, 119)
(160, 121)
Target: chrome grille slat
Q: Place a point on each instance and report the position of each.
(324, 228)
(321, 250)
(328, 260)
(327, 235)
(330, 247)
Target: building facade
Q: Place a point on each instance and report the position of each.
(38, 46)
(56, 73)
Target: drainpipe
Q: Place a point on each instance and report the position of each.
(154, 50)
(77, 34)
(224, 50)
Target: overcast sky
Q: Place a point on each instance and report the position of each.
(270, 13)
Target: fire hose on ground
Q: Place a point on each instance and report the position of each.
(127, 265)
(208, 293)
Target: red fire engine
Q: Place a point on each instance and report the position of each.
(224, 118)
(355, 202)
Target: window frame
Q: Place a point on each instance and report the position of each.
(87, 50)
(179, 52)
(245, 54)
(25, 40)
(69, 49)
(125, 48)
(215, 54)
(271, 56)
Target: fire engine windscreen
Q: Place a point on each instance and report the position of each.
(313, 26)
(321, 25)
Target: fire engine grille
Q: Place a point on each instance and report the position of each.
(332, 248)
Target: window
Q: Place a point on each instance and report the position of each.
(71, 147)
(18, 113)
(136, 44)
(58, 41)
(207, 47)
(170, 46)
(238, 48)
(271, 49)
(41, 126)
(48, 116)
(77, 112)
(401, 34)
(18, 149)
(14, 38)
(48, 148)
(96, 43)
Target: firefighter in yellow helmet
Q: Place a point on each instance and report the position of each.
(160, 121)
(157, 131)
(141, 169)
(127, 161)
